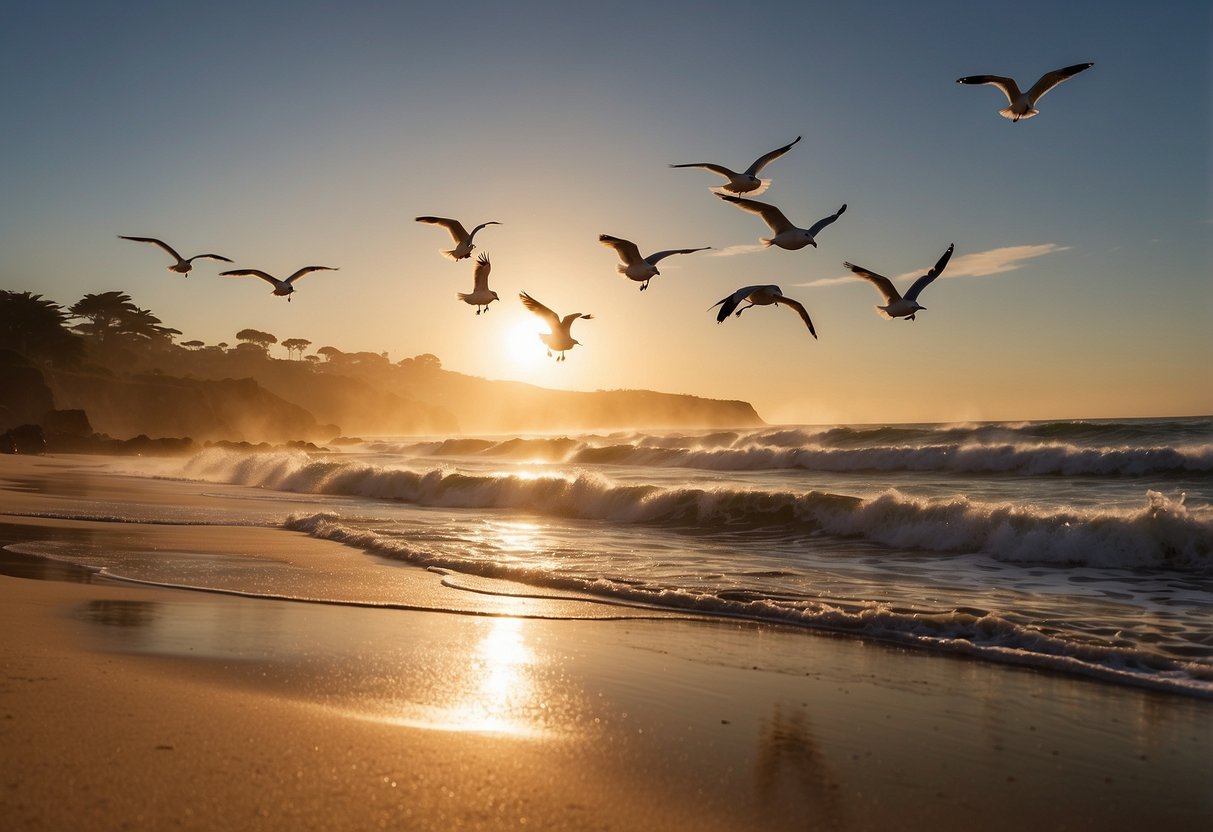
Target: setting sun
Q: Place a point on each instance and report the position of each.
(521, 342)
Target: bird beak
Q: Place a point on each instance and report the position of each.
(813, 243)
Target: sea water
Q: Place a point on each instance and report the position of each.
(1076, 546)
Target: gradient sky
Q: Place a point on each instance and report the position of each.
(289, 134)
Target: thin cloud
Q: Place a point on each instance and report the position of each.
(996, 260)
(978, 264)
(731, 251)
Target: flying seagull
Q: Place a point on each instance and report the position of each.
(463, 240)
(897, 305)
(183, 265)
(786, 235)
(560, 337)
(635, 267)
(760, 296)
(282, 288)
(1023, 103)
(481, 295)
(747, 181)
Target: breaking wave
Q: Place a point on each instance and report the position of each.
(1038, 449)
(1162, 533)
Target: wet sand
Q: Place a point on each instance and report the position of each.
(139, 707)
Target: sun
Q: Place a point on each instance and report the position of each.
(521, 340)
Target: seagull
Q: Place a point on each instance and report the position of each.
(183, 265)
(1023, 103)
(463, 240)
(786, 235)
(635, 267)
(560, 338)
(282, 288)
(747, 181)
(897, 305)
(480, 295)
(760, 296)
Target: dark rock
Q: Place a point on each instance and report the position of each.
(23, 439)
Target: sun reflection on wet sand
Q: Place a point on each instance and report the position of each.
(496, 693)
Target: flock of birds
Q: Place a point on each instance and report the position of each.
(634, 266)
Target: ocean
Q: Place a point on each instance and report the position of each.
(1079, 547)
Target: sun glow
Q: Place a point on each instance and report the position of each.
(495, 695)
(521, 341)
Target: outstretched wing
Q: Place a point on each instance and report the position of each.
(727, 305)
(824, 221)
(762, 160)
(211, 257)
(549, 317)
(454, 226)
(721, 169)
(1008, 86)
(626, 249)
(481, 274)
(800, 310)
(308, 270)
(568, 320)
(482, 225)
(653, 259)
(1051, 79)
(266, 276)
(771, 215)
(156, 242)
(882, 283)
(925, 281)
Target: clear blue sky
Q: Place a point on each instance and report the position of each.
(289, 134)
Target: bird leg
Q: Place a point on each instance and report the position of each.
(644, 286)
(742, 309)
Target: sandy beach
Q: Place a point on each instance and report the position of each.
(142, 707)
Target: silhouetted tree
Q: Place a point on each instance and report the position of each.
(329, 353)
(111, 315)
(294, 345)
(37, 328)
(255, 336)
(103, 313)
(194, 345)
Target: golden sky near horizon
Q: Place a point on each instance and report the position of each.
(1080, 286)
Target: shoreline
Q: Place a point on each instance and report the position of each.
(166, 707)
(139, 706)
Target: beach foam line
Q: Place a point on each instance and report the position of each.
(976, 633)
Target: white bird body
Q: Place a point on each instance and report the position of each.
(282, 288)
(184, 264)
(896, 304)
(1022, 105)
(463, 239)
(760, 296)
(746, 181)
(785, 235)
(634, 266)
(481, 295)
(559, 338)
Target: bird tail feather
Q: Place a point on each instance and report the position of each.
(1007, 112)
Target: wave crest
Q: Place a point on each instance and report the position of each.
(1164, 533)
